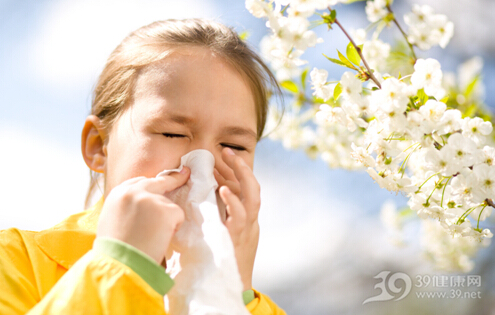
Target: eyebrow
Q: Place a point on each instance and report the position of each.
(180, 119)
(240, 131)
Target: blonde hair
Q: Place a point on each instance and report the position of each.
(152, 43)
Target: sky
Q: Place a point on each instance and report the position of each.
(51, 53)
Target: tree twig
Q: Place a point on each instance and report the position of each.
(389, 8)
(490, 202)
(370, 72)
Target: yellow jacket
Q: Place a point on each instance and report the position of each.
(55, 271)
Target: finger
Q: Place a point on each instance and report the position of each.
(132, 181)
(166, 183)
(237, 214)
(225, 171)
(176, 215)
(249, 186)
(234, 186)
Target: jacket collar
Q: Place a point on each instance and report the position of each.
(69, 240)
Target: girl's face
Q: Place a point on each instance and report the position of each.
(191, 100)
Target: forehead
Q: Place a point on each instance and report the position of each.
(191, 77)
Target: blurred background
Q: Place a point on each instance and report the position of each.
(322, 242)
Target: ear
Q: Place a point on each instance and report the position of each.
(93, 144)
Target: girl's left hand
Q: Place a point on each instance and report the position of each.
(240, 192)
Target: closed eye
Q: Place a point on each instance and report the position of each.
(233, 146)
(173, 135)
(225, 145)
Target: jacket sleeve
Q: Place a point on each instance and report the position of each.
(263, 305)
(96, 284)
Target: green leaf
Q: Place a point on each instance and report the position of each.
(290, 86)
(352, 54)
(336, 61)
(471, 86)
(470, 110)
(333, 15)
(303, 78)
(329, 19)
(244, 35)
(423, 98)
(337, 91)
(347, 63)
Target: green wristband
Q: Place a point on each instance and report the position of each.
(248, 296)
(138, 261)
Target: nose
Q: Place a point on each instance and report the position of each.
(214, 149)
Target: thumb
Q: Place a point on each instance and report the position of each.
(166, 183)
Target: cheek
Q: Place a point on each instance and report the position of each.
(139, 156)
(153, 155)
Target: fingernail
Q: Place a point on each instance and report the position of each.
(226, 189)
(183, 170)
(230, 152)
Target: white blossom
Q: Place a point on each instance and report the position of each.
(427, 29)
(441, 161)
(476, 129)
(319, 83)
(309, 5)
(488, 155)
(359, 35)
(463, 149)
(432, 111)
(376, 10)
(485, 175)
(258, 8)
(376, 53)
(450, 121)
(362, 156)
(428, 75)
(286, 67)
(351, 86)
(463, 187)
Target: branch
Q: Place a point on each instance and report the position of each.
(370, 72)
(490, 202)
(389, 8)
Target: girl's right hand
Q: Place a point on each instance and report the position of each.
(137, 212)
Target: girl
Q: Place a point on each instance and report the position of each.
(169, 88)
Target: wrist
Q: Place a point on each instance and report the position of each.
(247, 284)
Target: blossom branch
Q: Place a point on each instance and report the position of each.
(358, 49)
(490, 202)
(389, 8)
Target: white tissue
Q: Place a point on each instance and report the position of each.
(203, 263)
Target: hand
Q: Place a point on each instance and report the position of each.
(137, 213)
(240, 192)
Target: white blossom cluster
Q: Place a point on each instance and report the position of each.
(331, 142)
(447, 252)
(375, 51)
(290, 35)
(377, 9)
(427, 29)
(430, 152)
(399, 128)
(443, 162)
